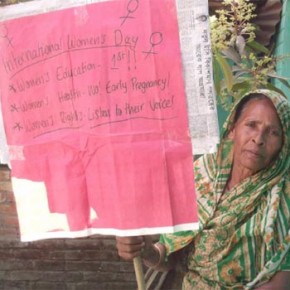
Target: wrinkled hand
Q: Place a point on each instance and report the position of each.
(131, 247)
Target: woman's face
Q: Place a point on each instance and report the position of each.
(257, 136)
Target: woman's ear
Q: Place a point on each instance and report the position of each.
(231, 135)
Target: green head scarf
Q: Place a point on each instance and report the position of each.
(281, 104)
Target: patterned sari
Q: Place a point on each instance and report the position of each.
(244, 235)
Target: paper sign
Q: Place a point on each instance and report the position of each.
(95, 115)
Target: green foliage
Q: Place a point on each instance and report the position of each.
(240, 64)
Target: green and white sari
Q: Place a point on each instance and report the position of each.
(244, 235)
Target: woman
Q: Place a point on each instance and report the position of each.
(243, 196)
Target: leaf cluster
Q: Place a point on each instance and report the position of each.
(240, 64)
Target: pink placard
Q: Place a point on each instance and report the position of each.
(94, 108)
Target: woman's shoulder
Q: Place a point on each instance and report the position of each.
(205, 166)
(204, 177)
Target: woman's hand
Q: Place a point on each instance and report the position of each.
(130, 247)
(152, 255)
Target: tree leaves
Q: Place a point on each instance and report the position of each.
(240, 64)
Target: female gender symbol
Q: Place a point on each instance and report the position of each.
(131, 8)
(155, 39)
(4, 34)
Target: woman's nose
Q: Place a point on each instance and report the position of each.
(259, 138)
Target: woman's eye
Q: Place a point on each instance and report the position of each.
(251, 124)
(276, 133)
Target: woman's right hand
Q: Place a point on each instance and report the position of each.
(152, 255)
(130, 247)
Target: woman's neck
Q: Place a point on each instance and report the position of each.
(237, 175)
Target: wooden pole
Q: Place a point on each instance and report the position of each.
(139, 273)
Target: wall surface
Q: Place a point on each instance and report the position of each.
(283, 47)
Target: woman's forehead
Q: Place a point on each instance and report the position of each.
(260, 107)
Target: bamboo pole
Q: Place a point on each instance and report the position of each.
(139, 273)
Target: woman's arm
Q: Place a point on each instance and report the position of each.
(280, 281)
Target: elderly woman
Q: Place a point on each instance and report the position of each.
(243, 196)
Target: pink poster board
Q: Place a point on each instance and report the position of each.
(95, 113)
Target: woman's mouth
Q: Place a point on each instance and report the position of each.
(254, 154)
